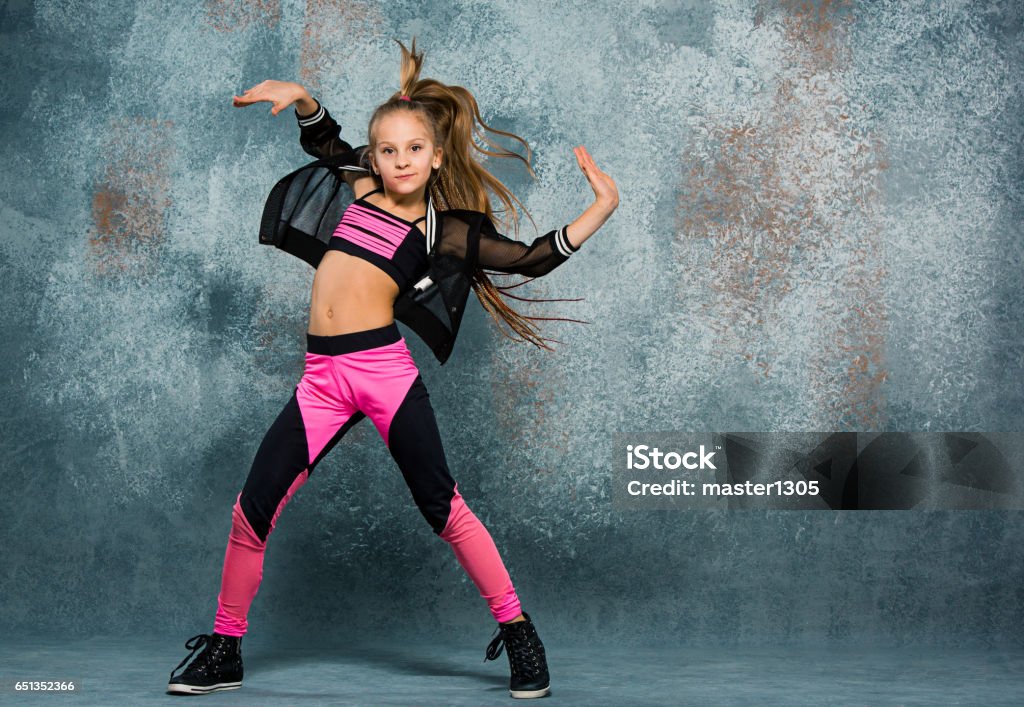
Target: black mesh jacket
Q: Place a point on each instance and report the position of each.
(304, 208)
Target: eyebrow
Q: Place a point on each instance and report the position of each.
(388, 142)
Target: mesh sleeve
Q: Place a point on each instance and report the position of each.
(320, 134)
(502, 254)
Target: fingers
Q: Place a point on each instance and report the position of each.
(583, 158)
(580, 161)
(586, 162)
(251, 95)
(255, 96)
(602, 184)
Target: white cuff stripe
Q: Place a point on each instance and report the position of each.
(562, 243)
(313, 118)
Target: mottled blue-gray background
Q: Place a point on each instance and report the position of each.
(819, 229)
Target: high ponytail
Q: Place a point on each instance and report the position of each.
(462, 182)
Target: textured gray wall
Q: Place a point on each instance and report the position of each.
(819, 229)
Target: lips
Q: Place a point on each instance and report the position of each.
(405, 176)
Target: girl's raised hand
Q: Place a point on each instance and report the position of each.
(280, 93)
(605, 191)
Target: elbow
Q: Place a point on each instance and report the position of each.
(539, 270)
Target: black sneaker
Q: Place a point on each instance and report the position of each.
(219, 667)
(526, 658)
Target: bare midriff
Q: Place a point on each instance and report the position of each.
(350, 294)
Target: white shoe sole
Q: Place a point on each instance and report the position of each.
(527, 694)
(181, 689)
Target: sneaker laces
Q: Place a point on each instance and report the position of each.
(523, 656)
(494, 648)
(194, 644)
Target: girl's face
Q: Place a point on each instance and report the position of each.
(405, 153)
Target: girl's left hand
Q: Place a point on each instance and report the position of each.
(605, 191)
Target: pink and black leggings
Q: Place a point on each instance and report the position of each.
(348, 377)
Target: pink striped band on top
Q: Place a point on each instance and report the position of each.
(386, 227)
(390, 233)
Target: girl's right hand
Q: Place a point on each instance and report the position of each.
(280, 93)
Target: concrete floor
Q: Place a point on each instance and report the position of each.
(111, 671)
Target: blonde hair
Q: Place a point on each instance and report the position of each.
(452, 115)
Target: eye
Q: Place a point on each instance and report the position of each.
(386, 149)
(416, 147)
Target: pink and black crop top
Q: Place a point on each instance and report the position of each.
(393, 244)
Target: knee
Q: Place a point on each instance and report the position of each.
(441, 514)
(460, 523)
(435, 499)
(261, 504)
(243, 527)
(436, 515)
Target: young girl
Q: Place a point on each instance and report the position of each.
(422, 209)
